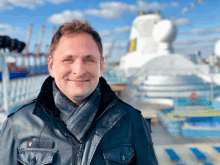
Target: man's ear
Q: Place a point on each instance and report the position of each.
(101, 66)
(50, 66)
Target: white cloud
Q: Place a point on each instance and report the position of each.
(204, 31)
(175, 4)
(31, 4)
(4, 26)
(56, 2)
(186, 42)
(121, 46)
(105, 33)
(117, 6)
(116, 10)
(9, 7)
(106, 48)
(2, 3)
(107, 45)
(182, 22)
(205, 45)
(66, 16)
(196, 41)
(6, 29)
(116, 46)
(124, 29)
(105, 13)
(109, 39)
(151, 6)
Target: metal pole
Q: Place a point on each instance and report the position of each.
(175, 91)
(211, 89)
(5, 82)
(176, 111)
(211, 78)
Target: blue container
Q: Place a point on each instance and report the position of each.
(14, 75)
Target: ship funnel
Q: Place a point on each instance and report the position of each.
(157, 12)
(141, 13)
(165, 33)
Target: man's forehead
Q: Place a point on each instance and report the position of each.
(68, 46)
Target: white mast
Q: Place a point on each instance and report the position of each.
(28, 40)
(26, 50)
(40, 41)
(52, 33)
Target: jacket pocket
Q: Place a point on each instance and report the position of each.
(118, 154)
(36, 156)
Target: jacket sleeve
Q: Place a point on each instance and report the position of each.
(142, 142)
(8, 149)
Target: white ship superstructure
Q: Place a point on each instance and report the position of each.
(158, 72)
(143, 29)
(146, 46)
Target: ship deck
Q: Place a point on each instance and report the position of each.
(181, 144)
(186, 156)
(162, 139)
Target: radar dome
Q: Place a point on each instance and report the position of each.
(165, 31)
(217, 48)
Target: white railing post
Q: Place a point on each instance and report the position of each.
(5, 81)
(16, 91)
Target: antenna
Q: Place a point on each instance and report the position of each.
(186, 9)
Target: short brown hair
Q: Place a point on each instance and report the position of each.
(75, 26)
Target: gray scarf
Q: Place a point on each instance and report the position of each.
(78, 119)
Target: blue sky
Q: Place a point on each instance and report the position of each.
(198, 28)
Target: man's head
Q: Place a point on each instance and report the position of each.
(76, 61)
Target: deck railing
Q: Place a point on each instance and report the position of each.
(20, 90)
(16, 91)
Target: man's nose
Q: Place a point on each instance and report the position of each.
(78, 68)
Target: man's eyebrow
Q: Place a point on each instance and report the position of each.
(68, 55)
(86, 56)
(89, 56)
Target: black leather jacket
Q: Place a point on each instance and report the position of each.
(34, 134)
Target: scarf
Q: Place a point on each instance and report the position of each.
(78, 119)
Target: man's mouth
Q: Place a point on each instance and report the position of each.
(79, 80)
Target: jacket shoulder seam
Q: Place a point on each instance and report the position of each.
(15, 135)
(42, 130)
(21, 106)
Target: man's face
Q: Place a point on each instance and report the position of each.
(76, 66)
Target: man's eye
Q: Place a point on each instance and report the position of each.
(67, 60)
(90, 60)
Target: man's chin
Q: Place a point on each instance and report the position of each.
(80, 96)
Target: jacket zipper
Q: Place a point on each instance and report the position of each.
(71, 141)
(69, 136)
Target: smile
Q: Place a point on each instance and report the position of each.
(78, 80)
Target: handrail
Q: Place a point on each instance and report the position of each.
(17, 90)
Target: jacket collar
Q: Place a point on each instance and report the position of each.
(46, 110)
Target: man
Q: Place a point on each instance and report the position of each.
(76, 118)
